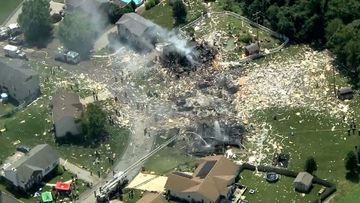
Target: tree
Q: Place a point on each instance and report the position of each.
(35, 21)
(179, 12)
(351, 162)
(76, 32)
(114, 12)
(310, 165)
(93, 120)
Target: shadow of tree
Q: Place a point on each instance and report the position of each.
(352, 176)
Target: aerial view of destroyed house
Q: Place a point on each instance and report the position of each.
(180, 101)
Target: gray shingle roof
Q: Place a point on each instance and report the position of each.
(17, 76)
(135, 23)
(39, 158)
(66, 109)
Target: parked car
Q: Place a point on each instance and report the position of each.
(14, 52)
(18, 40)
(4, 33)
(23, 148)
(14, 29)
(66, 56)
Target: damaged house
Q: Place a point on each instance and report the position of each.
(18, 80)
(31, 168)
(66, 113)
(212, 181)
(137, 31)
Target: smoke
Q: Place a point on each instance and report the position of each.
(92, 9)
(180, 45)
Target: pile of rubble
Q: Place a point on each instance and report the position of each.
(298, 81)
(184, 61)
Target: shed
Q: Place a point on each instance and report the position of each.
(303, 181)
(345, 93)
(252, 49)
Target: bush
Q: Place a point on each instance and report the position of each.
(245, 38)
(56, 17)
(60, 170)
(149, 4)
(157, 2)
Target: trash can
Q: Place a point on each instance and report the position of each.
(4, 97)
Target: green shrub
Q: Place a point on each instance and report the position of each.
(60, 170)
(246, 38)
(149, 4)
(157, 2)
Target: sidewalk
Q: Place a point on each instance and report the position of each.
(80, 172)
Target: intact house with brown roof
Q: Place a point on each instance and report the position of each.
(212, 181)
(66, 114)
(31, 168)
(151, 197)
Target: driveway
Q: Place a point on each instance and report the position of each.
(103, 40)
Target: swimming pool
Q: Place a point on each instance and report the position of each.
(137, 2)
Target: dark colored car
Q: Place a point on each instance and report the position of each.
(18, 40)
(23, 148)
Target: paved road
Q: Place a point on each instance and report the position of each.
(80, 172)
(138, 147)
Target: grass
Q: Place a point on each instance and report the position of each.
(281, 191)
(32, 126)
(79, 185)
(312, 137)
(233, 35)
(7, 7)
(161, 14)
(6, 108)
(169, 159)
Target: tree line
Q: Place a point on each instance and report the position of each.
(332, 24)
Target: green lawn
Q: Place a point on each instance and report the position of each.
(7, 7)
(316, 135)
(33, 126)
(79, 186)
(169, 159)
(233, 34)
(6, 108)
(281, 191)
(161, 14)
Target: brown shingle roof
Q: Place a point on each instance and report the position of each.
(151, 197)
(210, 180)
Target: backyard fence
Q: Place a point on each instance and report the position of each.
(330, 187)
(285, 39)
